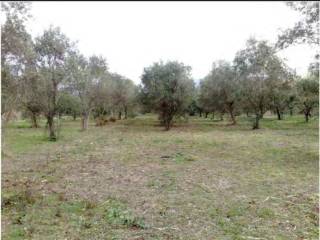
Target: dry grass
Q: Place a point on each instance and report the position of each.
(132, 180)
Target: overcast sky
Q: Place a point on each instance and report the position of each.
(133, 35)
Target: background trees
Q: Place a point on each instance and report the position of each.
(308, 93)
(49, 76)
(68, 104)
(220, 90)
(169, 88)
(124, 94)
(83, 76)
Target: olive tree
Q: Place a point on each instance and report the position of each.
(123, 94)
(15, 47)
(52, 49)
(82, 78)
(224, 87)
(32, 100)
(308, 93)
(69, 104)
(209, 100)
(169, 88)
(259, 70)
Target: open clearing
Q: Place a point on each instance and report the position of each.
(132, 180)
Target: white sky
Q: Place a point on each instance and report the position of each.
(133, 35)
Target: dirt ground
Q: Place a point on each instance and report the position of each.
(202, 179)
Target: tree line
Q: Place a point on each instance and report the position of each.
(49, 76)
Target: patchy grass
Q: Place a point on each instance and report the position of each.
(130, 179)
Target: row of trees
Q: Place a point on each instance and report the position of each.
(257, 81)
(49, 76)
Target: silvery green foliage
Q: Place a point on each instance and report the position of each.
(259, 70)
(304, 31)
(52, 49)
(308, 93)
(220, 89)
(168, 88)
(16, 50)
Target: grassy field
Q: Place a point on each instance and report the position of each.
(132, 180)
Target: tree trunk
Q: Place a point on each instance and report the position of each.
(167, 122)
(74, 116)
(256, 122)
(261, 114)
(167, 125)
(52, 134)
(261, 111)
(84, 121)
(119, 115)
(233, 119)
(230, 109)
(291, 112)
(34, 122)
(206, 114)
(125, 112)
(306, 115)
(213, 115)
(247, 112)
(200, 113)
(221, 116)
(278, 113)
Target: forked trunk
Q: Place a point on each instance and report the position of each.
(34, 122)
(230, 109)
(168, 122)
(306, 115)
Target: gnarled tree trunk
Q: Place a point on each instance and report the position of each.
(125, 112)
(231, 109)
(256, 121)
(50, 122)
(84, 121)
(34, 122)
(279, 115)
